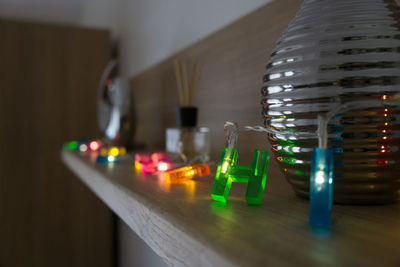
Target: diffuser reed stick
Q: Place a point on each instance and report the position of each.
(186, 85)
(179, 82)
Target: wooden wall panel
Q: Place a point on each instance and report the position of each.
(49, 77)
(234, 61)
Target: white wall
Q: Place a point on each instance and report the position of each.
(59, 11)
(151, 30)
(148, 31)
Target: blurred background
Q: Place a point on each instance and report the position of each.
(52, 55)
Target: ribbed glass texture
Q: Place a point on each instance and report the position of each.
(336, 51)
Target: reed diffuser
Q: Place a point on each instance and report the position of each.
(187, 87)
(188, 142)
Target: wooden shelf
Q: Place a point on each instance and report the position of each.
(184, 226)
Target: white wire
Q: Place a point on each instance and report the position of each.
(233, 130)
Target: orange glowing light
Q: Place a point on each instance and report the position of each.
(187, 172)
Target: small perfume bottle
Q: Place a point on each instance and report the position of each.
(188, 142)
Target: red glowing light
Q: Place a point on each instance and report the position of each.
(94, 145)
(381, 162)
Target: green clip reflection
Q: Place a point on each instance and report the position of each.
(255, 176)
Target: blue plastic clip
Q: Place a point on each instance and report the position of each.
(321, 187)
(107, 159)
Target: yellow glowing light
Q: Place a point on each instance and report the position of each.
(111, 158)
(225, 167)
(103, 152)
(138, 166)
(83, 148)
(384, 97)
(162, 166)
(114, 151)
(122, 150)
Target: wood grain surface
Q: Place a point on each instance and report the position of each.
(234, 61)
(48, 84)
(182, 224)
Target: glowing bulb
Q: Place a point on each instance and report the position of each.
(114, 151)
(162, 166)
(225, 167)
(111, 158)
(94, 145)
(138, 166)
(319, 177)
(122, 150)
(73, 145)
(83, 148)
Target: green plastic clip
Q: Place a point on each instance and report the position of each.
(255, 175)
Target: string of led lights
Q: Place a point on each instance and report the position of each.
(322, 166)
(233, 129)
